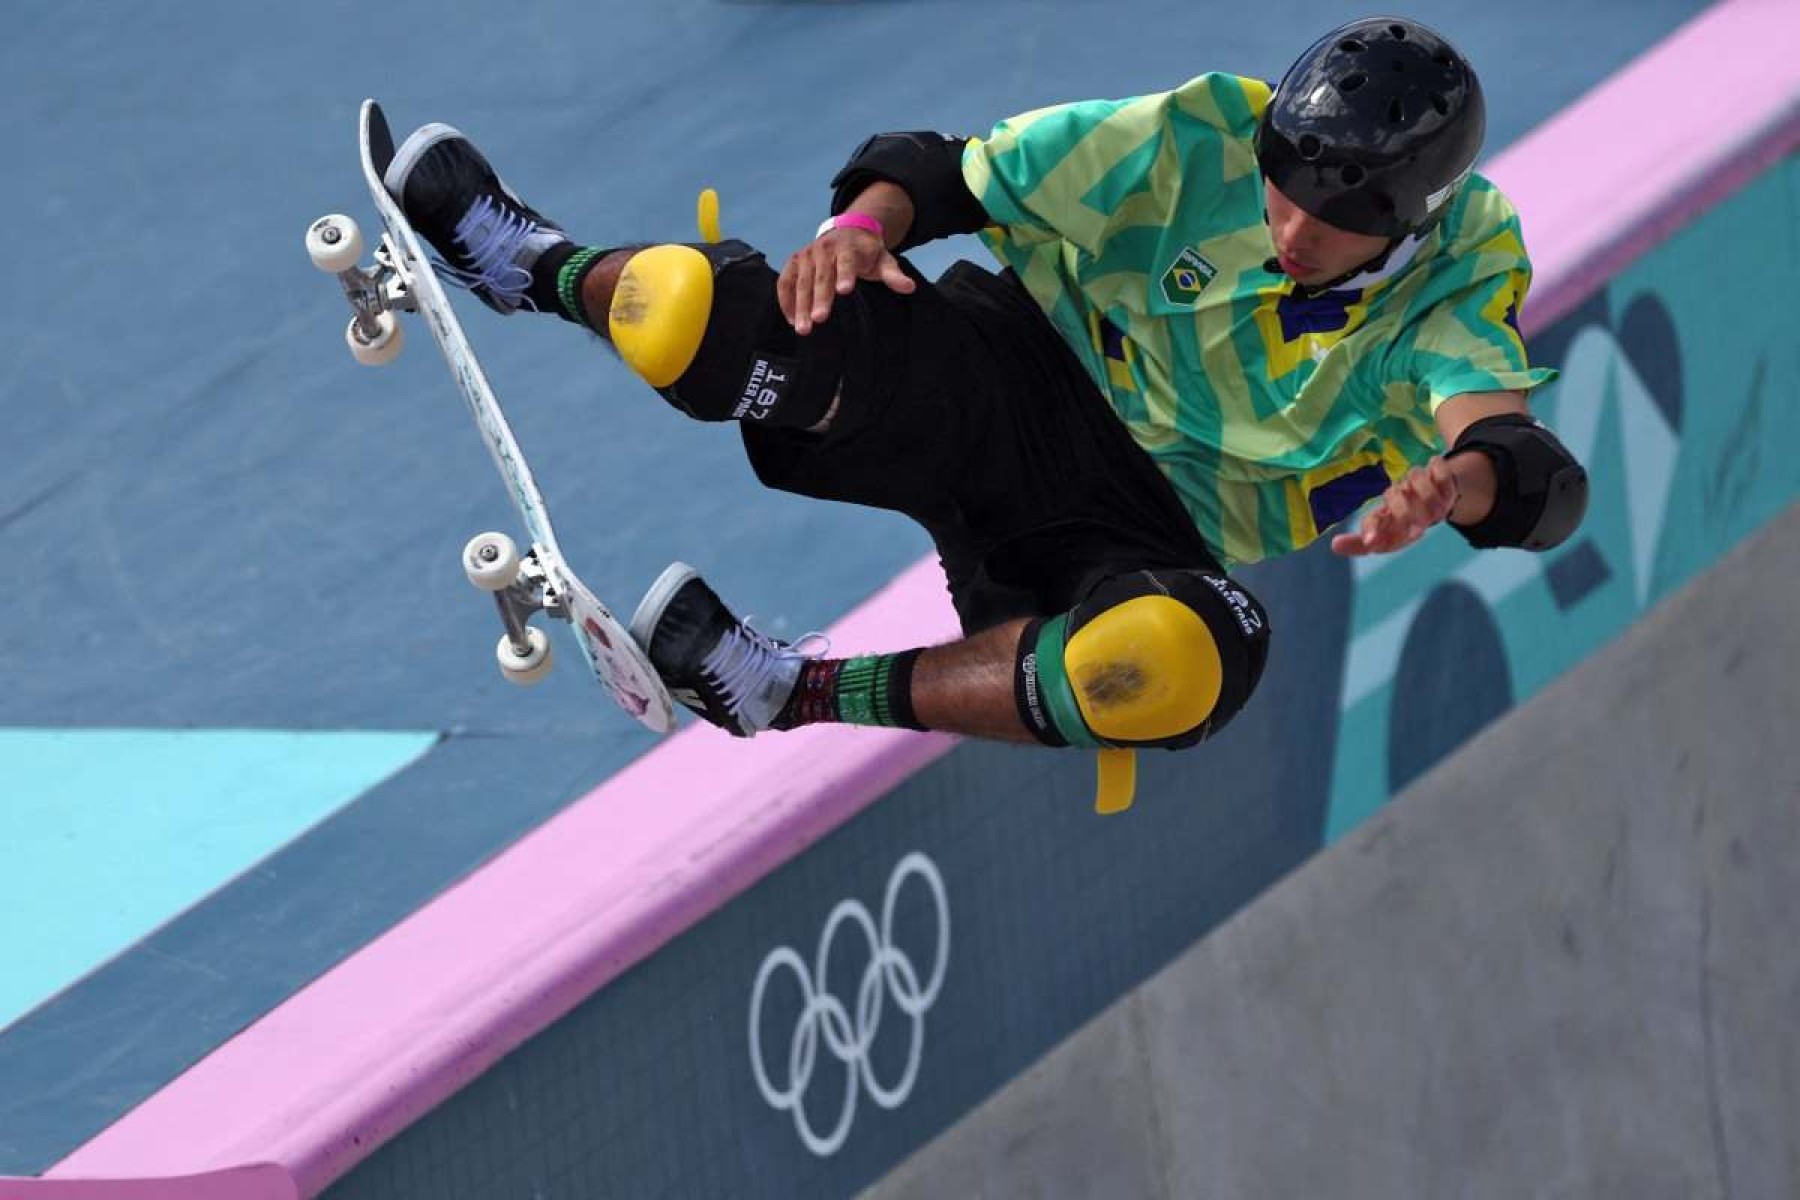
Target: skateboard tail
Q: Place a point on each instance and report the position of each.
(381, 138)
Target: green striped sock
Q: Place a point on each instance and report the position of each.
(862, 690)
(568, 282)
(873, 690)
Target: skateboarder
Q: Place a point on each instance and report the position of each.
(1230, 317)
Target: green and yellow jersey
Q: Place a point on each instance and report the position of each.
(1138, 226)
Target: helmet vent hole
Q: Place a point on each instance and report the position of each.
(1442, 105)
(1442, 58)
(1352, 46)
(1353, 175)
(1351, 82)
(1310, 146)
(1396, 113)
(1399, 32)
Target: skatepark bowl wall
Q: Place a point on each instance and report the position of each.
(787, 984)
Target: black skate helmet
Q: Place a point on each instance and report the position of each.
(1374, 128)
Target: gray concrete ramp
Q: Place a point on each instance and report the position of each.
(1565, 963)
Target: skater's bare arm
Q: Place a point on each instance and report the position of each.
(889, 204)
(830, 266)
(1538, 504)
(1474, 473)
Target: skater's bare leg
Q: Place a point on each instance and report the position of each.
(966, 687)
(598, 288)
(1148, 658)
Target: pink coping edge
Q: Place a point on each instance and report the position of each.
(261, 1181)
(354, 1057)
(1615, 174)
(351, 1059)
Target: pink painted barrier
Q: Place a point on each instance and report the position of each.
(1686, 124)
(354, 1057)
(349, 1061)
(258, 1181)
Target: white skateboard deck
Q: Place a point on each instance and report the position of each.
(404, 279)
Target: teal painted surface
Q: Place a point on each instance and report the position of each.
(106, 834)
(1679, 392)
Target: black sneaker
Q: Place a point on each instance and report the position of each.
(486, 236)
(717, 666)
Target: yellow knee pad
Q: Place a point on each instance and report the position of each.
(1147, 658)
(660, 311)
(1144, 671)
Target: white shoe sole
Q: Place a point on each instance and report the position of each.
(413, 149)
(650, 609)
(419, 142)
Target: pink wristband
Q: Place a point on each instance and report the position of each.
(853, 220)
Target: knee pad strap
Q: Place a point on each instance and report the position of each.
(1041, 686)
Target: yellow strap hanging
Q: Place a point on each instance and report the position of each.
(1118, 781)
(708, 217)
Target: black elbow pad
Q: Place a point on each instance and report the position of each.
(928, 168)
(1541, 492)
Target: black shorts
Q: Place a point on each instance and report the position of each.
(962, 407)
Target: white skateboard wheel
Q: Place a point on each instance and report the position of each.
(334, 244)
(491, 561)
(525, 669)
(379, 350)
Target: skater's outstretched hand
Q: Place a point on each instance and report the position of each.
(829, 268)
(1414, 503)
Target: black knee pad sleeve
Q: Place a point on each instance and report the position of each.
(751, 366)
(1237, 624)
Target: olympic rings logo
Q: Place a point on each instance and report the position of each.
(890, 974)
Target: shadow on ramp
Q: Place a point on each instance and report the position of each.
(1561, 963)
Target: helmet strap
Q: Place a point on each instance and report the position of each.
(1389, 263)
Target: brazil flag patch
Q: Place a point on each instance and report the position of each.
(1183, 282)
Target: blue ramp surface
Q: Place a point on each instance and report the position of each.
(106, 834)
(218, 521)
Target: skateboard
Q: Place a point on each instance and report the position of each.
(522, 583)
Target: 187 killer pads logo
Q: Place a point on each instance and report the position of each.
(764, 389)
